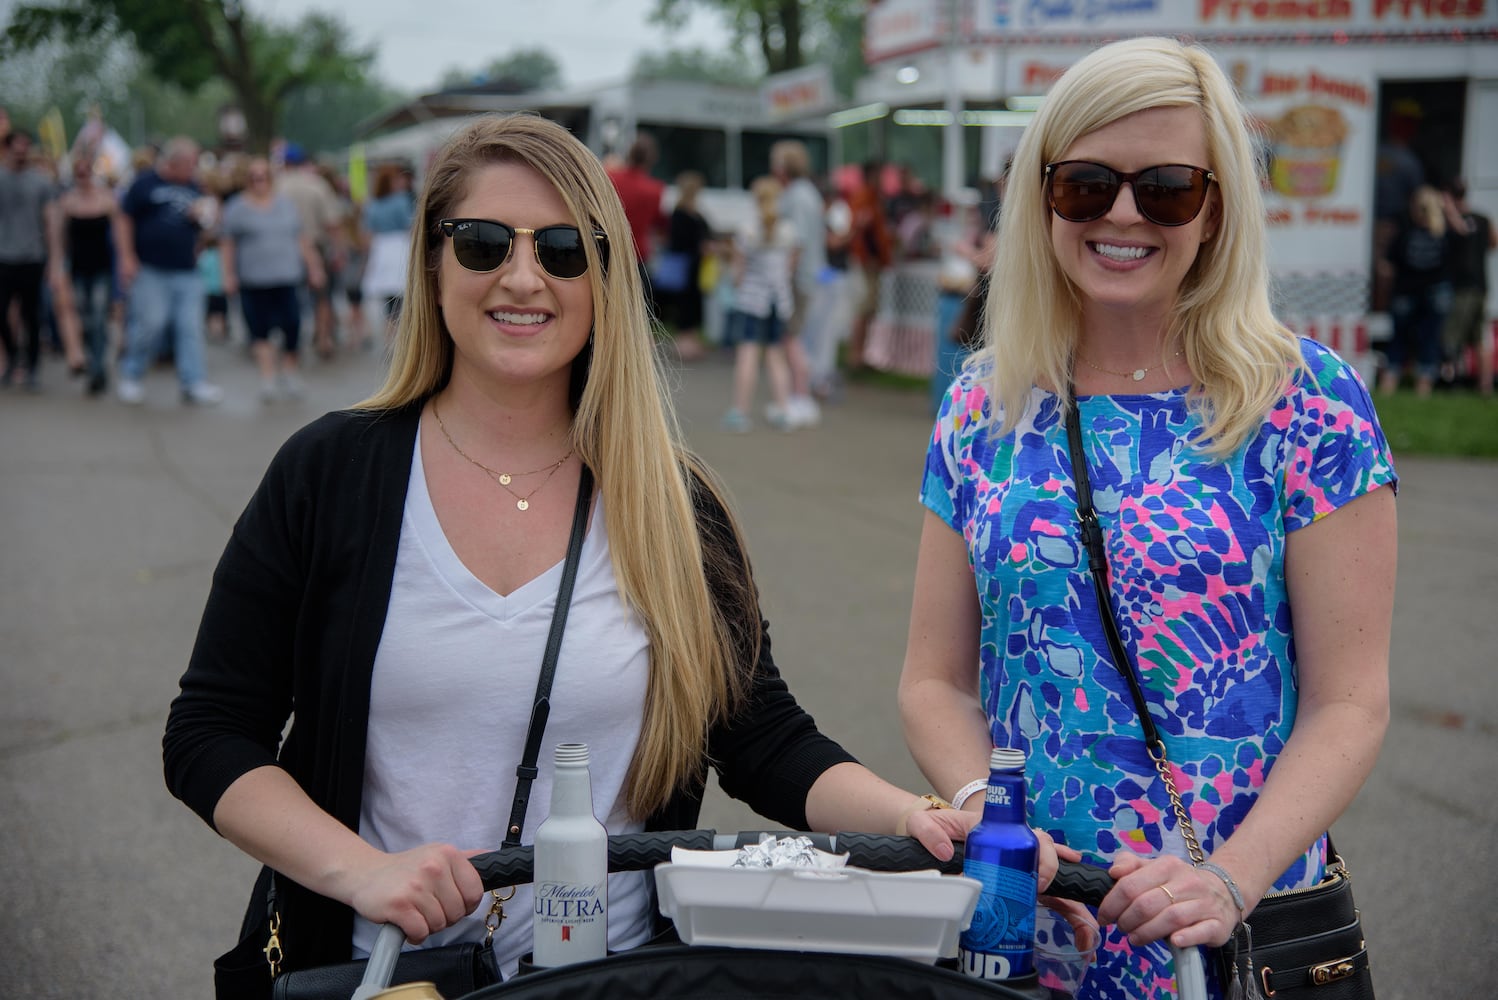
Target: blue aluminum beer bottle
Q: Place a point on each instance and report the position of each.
(1001, 853)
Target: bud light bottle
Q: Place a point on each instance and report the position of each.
(1001, 853)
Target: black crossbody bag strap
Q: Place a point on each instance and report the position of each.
(526, 772)
(1097, 564)
(540, 708)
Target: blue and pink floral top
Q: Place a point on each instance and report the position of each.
(1197, 550)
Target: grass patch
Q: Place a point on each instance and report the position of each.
(1454, 422)
(1457, 423)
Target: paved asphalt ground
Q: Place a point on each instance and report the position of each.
(114, 518)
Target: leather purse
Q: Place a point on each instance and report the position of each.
(459, 969)
(455, 969)
(1301, 943)
(1308, 943)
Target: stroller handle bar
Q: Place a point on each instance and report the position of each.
(876, 852)
(643, 851)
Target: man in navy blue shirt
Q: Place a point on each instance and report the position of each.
(157, 240)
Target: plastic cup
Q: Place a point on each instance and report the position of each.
(1063, 951)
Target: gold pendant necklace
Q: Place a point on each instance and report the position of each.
(1137, 374)
(503, 479)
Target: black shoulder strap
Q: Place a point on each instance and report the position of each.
(1097, 564)
(541, 706)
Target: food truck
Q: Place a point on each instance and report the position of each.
(723, 132)
(1339, 90)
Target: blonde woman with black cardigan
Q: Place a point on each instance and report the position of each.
(391, 583)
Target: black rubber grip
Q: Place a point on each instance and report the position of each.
(882, 852)
(506, 866)
(628, 852)
(634, 852)
(1084, 883)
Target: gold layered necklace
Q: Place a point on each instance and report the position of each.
(1137, 374)
(503, 479)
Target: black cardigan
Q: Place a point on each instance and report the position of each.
(293, 621)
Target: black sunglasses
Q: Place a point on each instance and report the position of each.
(1171, 194)
(484, 245)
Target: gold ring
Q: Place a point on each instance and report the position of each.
(1167, 892)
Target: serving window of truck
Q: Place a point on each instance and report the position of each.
(1339, 90)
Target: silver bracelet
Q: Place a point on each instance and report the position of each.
(1227, 880)
(967, 791)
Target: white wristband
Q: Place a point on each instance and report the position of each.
(967, 791)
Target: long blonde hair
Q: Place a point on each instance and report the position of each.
(693, 591)
(1242, 357)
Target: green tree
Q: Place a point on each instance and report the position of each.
(187, 43)
(521, 70)
(111, 77)
(786, 31)
(732, 68)
(324, 117)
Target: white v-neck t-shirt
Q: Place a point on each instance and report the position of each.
(450, 702)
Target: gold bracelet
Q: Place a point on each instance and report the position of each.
(925, 803)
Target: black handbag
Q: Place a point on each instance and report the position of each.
(1309, 942)
(459, 969)
(1298, 943)
(455, 969)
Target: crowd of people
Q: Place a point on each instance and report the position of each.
(123, 266)
(1434, 265)
(795, 284)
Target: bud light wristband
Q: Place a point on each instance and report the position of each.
(968, 790)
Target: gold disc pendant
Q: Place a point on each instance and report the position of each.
(523, 504)
(504, 479)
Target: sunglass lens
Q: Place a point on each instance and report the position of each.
(1081, 192)
(1171, 195)
(560, 250)
(481, 246)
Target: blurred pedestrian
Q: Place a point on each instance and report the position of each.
(831, 318)
(1420, 293)
(25, 196)
(221, 185)
(873, 251)
(689, 239)
(641, 195)
(387, 232)
(161, 217)
(962, 287)
(351, 278)
(322, 224)
(764, 260)
(81, 262)
(801, 203)
(1397, 173)
(1472, 239)
(266, 256)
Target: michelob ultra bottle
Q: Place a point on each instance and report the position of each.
(1001, 853)
(570, 920)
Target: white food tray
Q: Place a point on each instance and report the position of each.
(915, 915)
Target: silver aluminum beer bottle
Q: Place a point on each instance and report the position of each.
(1001, 853)
(570, 919)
